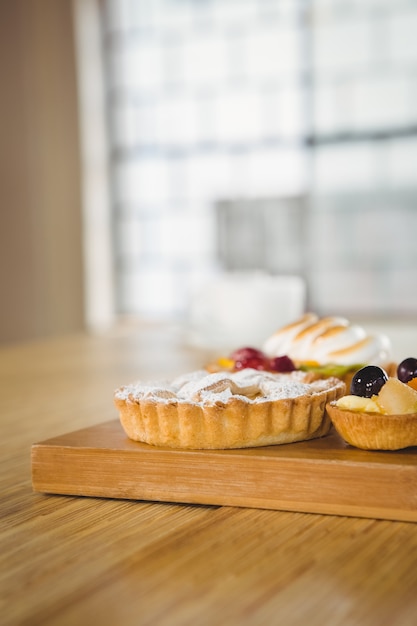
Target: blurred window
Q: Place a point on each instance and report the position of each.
(289, 122)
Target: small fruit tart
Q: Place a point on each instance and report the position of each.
(381, 411)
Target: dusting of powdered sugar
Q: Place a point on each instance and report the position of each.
(203, 388)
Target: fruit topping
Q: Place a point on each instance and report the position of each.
(358, 403)
(407, 370)
(254, 358)
(330, 369)
(413, 383)
(249, 357)
(394, 398)
(281, 364)
(397, 398)
(225, 363)
(368, 381)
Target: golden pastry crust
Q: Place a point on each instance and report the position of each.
(244, 417)
(374, 431)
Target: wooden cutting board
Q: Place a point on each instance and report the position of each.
(319, 476)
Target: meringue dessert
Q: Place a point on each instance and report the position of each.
(220, 410)
(330, 346)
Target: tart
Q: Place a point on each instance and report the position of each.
(374, 431)
(380, 413)
(220, 410)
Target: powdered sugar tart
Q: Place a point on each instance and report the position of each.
(220, 410)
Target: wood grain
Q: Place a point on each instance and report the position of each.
(319, 476)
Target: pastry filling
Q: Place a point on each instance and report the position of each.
(249, 385)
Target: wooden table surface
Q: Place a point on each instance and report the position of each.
(73, 560)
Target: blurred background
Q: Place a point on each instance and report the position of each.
(151, 146)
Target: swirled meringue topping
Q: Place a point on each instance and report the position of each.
(328, 340)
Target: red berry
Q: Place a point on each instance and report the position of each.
(247, 352)
(281, 364)
(254, 362)
(249, 357)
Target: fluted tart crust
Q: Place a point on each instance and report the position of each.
(223, 410)
(374, 431)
